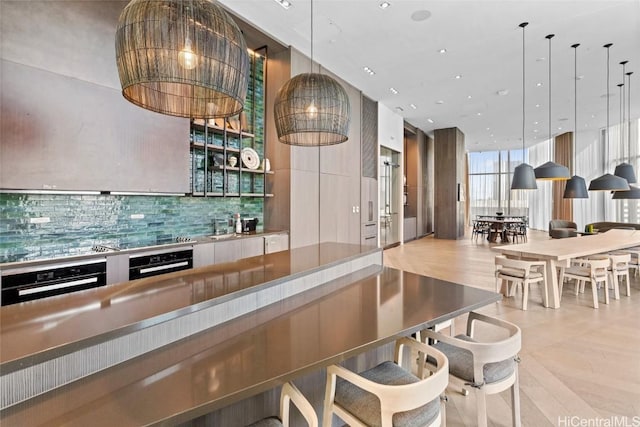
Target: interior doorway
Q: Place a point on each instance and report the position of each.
(390, 202)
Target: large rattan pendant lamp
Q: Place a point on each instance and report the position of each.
(608, 182)
(523, 176)
(634, 192)
(576, 187)
(550, 170)
(312, 109)
(624, 169)
(183, 58)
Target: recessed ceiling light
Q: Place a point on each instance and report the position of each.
(559, 127)
(542, 58)
(488, 128)
(393, 91)
(420, 15)
(439, 101)
(430, 120)
(443, 50)
(579, 77)
(458, 76)
(535, 130)
(503, 92)
(469, 97)
(539, 84)
(368, 71)
(384, 5)
(284, 3)
(593, 116)
(535, 123)
(537, 105)
(478, 114)
(491, 135)
(399, 109)
(413, 106)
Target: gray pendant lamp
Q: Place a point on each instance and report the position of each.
(523, 176)
(634, 192)
(608, 182)
(624, 169)
(183, 58)
(312, 109)
(576, 187)
(551, 170)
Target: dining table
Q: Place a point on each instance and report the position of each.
(558, 253)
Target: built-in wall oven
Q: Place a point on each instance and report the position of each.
(29, 283)
(149, 264)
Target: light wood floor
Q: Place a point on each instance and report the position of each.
(579, 365)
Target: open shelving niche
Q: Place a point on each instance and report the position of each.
(214, 142)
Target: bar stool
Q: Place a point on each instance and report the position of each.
(290, 393)
(484, 367)
(515, 271)
(389, 394)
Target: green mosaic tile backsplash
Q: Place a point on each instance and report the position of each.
(78, 222)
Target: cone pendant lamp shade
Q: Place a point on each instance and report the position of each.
(625, 170)
(524, 178)
(183, 58)
(311, 110)
(576, 188)
(608, 182)
(633, 193)
(552, 171)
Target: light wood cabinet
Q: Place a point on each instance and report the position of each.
(204, 254)
(252, 247)
(276, 243)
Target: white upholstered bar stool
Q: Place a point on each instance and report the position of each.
(389, 394)
(290, 393)
(514, 271)
(594, 271)
(484, 367)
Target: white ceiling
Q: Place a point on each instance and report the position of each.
(484, 46)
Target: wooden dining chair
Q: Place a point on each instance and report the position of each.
(591, 270)
(290, 394)
(619, 269)
(511, 272)
(484, 366)
(389, 394)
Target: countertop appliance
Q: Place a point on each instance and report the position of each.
(249, 224)
(152, 264)
(29, 283)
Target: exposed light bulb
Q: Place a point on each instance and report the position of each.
(312, 111)
(186, 58)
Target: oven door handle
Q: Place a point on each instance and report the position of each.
(45, 288)
(163, 267)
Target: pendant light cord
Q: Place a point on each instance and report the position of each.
(311, 64)
(575, 106)
(622, 114)
(629, 112)
(549, 37)
(606, 146)
(523, 25)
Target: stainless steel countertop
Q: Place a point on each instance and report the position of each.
(253, 353)
(54, 324)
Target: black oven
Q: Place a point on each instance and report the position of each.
(29, 283)
(152, 264)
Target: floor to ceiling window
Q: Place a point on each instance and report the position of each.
(490, 182)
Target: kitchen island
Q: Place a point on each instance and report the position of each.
(347, 304)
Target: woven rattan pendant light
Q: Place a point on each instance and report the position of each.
(183, 58)
(550, 170)
(523, 176)
(608, 182)
(576, 187)
(312, 109)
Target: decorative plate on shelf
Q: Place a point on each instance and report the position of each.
(250, 158)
